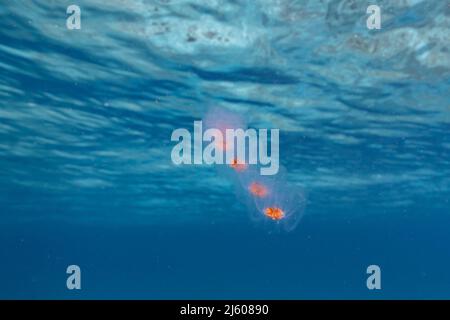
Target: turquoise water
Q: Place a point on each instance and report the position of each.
(86, 176)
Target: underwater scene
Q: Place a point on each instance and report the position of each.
(225, 149)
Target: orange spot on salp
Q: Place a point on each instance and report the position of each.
(258, 190)
(221, 145)
(274, 213)
(238, 166)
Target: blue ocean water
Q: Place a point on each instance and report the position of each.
(86, 176)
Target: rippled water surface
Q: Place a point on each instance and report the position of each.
(86, 176)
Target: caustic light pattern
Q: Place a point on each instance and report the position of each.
(270, 199)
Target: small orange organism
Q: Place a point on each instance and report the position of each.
(237, 165)
(274, 213)
(258, 189)
(221, 145)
